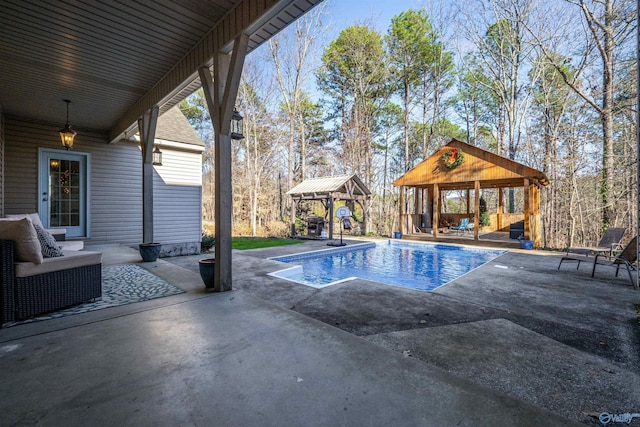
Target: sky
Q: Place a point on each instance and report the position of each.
(341, 14)
(378, 13)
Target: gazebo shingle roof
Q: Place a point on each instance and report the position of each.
(329, 185)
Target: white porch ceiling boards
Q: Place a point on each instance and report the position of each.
(115, 59)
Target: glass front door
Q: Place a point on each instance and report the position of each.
(63, 191)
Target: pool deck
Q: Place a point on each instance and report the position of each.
(515, 342)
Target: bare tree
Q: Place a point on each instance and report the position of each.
(608, 24)
(291, 53)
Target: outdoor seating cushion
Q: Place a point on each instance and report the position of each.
(22, 232)
(71, 259)
(71, 245)
(34, 217)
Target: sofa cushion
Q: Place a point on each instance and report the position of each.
(22, 232)
(71, 259)
(48, 245)
(71, 245)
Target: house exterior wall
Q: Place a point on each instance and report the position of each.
(115, 186)
(177, 202)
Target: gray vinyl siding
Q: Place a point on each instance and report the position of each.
(177, 197)
(115, 185)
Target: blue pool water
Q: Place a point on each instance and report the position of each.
(410, 265)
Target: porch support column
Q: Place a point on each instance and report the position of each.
(220, 91)
(476, 212)
(147, 129)
(436, 209)
(527, 207)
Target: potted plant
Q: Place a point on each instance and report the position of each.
(207, 268)
(207, 242)
(149, 251)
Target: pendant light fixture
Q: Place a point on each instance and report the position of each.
(66, 133)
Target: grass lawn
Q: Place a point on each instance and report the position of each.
(261, 242)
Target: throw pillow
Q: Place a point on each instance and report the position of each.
(24, 235)
(48, 245)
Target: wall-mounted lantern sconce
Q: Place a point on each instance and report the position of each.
(66, 133)
(157, 156)
(236, 125)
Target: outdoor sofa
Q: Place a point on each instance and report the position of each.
(31, 284)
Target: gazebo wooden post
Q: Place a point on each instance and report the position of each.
(294, 206)
(401, 209)
(527, 207)
(436, 209)
(468, 202)
(476, 212)
(535, 202)
(500, 208)
(416, 205)
(330, 209)
(429, 208)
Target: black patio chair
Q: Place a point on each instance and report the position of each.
(610, 242)
(627, 258)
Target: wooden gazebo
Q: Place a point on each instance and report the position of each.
(479, 169)
(328, 191)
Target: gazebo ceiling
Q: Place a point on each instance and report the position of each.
(490, 169)
(114, 60)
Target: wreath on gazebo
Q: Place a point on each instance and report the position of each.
(453, 158)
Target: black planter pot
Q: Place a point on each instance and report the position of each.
(207, 268)
(149, 251)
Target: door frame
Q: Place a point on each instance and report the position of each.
(85, 182)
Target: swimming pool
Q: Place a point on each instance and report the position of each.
(420, 266)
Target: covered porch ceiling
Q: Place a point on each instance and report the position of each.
(116, 60)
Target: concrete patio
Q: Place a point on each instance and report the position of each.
(515, 342)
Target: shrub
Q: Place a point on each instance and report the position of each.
(276, 229)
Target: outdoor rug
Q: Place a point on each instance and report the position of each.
(121, 284)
